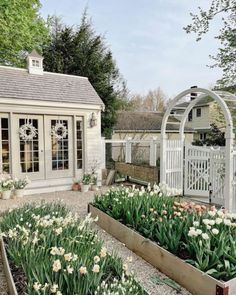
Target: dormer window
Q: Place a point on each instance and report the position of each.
(35, 63)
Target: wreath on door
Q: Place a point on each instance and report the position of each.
(59, 131)
(27, 132)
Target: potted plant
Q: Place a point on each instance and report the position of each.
(86, 181)
(6, 186)
(94, 181)
(19, 186)
(76, 185)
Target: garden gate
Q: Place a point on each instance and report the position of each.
(205, 170)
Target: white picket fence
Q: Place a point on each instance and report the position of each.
(128, 150)
(198, 171)
(174, 163)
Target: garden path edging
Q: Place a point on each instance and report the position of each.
(194, 280)
(10, 282)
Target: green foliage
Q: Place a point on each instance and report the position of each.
(204, 238)
(80, 51)
(166, 281)
(86, 179)
(214, 138)
(57, 250)
(225, 59)
(22, 29)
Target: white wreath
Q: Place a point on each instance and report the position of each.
(59, 131)
(27, 132)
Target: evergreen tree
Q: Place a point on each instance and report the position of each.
(82, 52)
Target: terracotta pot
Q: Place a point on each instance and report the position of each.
(19, 193)
(6, 195)
(76, 187)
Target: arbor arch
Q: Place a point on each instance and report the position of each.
(172, 151)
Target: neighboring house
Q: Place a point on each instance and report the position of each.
(146, 125)
(205, 113)
(50, 126)
(143, 127)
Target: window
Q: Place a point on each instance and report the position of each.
(35, 63)
(198, 112)
(5, 146)
(190, 116)
(203, 136)
(79, 137)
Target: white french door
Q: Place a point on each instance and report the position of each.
(58, 146)
(28, 154)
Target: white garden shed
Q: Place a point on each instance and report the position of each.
(199, 170)
(50, 126)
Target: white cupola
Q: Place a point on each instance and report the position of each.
(35, 63)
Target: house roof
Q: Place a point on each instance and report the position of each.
(19, 84)
(202, 102)
(144, 121)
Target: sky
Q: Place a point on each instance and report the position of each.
(147, 40)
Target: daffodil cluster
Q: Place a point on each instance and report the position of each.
(60, 254)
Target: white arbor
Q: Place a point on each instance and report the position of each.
(172, 151)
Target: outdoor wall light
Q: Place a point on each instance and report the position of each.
(93, 120)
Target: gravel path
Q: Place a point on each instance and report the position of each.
(78, 202)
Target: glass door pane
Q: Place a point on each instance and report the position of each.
(59, 146)
(28, 149)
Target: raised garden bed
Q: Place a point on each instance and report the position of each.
(10, 282)
(57, 253)
(194, 280)
(141, 172)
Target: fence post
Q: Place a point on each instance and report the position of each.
(103, 153)
(128, 158)
(153, 152)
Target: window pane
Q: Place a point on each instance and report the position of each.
(6, 168)
(4, 134)
(79, 144)
(79, 134)
(4, 122)
(4, 146)
(79, 164)
(36, 166)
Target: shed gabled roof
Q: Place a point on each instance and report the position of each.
(144, 121)
(19, 84)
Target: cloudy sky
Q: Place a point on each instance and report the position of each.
(148, 41)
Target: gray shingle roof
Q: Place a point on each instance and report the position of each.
(202, 102)
(144, 121)
(19, 84)
(34, 53)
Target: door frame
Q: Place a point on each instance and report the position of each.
(15, 145)
(54, 174)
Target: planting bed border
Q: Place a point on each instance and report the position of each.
(10, 282)
(191, 278)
